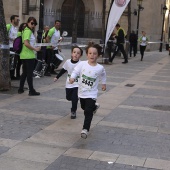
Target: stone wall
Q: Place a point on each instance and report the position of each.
(150, 18)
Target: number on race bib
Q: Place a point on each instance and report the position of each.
(87, 82)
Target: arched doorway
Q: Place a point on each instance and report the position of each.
(67, 14)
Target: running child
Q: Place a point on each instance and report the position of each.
(71, 89)
(90, 72)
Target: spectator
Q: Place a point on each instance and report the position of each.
(27, 56)
(12, 30)
(120, 44)
(143, 40)
(133, 43)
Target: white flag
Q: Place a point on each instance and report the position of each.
(116, 10)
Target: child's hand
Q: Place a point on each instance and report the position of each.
(71, 80)
(55, 79)
(103, 87)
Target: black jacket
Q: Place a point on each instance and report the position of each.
(120, 37)
(133, 38)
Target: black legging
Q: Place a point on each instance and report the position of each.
(28, 68)
(142, 50)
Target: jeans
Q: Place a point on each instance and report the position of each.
(121, 48)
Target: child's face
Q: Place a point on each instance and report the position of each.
(76, 54)
(92, 55)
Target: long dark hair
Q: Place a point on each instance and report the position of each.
(31, 19)
(21, 27)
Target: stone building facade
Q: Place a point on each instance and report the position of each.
(90, 24)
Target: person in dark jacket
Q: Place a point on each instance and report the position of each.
(120, 37)
(133, 43)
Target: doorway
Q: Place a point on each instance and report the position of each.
(67, 15)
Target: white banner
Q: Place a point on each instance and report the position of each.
(115, 13)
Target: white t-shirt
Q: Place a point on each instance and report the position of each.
(32, 40)
(69, 66)
(89, 79)
(55, 38)
(144, 41)
(12, 34)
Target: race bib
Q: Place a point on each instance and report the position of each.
(87, 82)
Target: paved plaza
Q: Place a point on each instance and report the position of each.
(130, 131)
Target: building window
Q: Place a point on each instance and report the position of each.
(25, 7)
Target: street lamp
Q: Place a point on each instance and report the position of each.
(41, 18)
(164, 11)
(41, 25)
(139, 3)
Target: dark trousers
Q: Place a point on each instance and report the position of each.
(142, 50)
(88, 105)
(133, 47)
(19, 63)
(49, 58)
(121, 48)
(72, 95)
(13, 63)
(28, 68)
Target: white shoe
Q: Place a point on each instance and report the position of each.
(37, 77)
(97, 106)
(84, 133)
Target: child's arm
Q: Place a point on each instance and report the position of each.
(62, 71)
(103, 87)
(103, 79)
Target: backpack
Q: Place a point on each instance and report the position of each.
(17, 45)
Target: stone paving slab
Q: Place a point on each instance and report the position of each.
(16, 127)
(138, 117)
(153, 92)
(8, 163)
(130, 142)
(72, 163)
(35, 152)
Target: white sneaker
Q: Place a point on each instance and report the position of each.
(84, 133)
(97, 106)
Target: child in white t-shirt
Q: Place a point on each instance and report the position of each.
(89, 72)
(71, 89)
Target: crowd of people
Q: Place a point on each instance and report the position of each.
(117, 43)
(27, 57)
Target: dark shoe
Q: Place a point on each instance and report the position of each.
(20, 91)
(18, 77)
(124, 62)
(47, 74)
(97, 105)
(34, 93)
(73, 115)
(13, 78)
